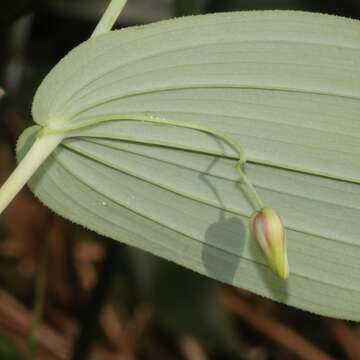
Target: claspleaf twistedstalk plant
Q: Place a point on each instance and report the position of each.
(131, 122)
(50, 137)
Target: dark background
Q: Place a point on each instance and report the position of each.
(105, 300)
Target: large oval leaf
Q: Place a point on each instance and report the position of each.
(285, 84)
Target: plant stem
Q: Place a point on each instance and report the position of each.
(256, 201)
(41, 149)
(66, 131)
(40, 292)
(109, 18)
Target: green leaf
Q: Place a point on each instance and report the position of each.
(284, 84)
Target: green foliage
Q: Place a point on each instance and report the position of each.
(284, 84)
(9, 351)
(198, 313)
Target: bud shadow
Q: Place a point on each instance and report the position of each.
(277, 288)
(223, 265)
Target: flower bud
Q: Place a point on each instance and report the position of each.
(269, 232)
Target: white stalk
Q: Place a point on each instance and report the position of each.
(255, 199)
(109, 18)
(46, 144)
(39, 152)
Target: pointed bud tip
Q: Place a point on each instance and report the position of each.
(283, 270)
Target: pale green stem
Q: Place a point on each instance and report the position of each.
(41, 149)
(256, 201)
(109, 18)
(147, 118)
(45, 145)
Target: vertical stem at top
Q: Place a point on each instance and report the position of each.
(109, 18)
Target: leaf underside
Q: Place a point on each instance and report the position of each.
(285, 84)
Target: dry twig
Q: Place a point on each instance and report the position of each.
(191, 349)
(273, 329)
(345, 338)
(15, 320)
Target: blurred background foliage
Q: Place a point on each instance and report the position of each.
(105, 300)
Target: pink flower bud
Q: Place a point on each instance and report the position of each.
(269, 232)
